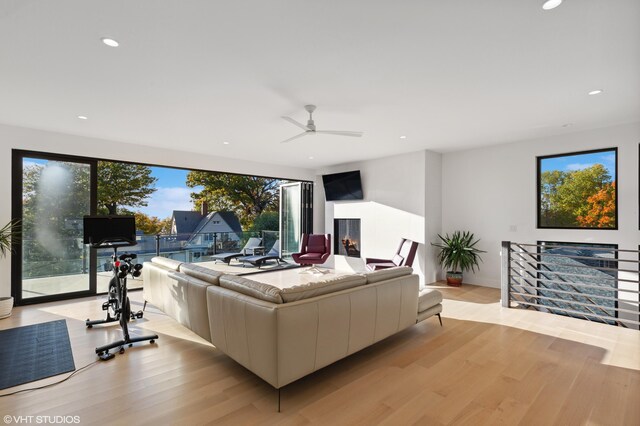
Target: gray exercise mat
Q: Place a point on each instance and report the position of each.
(34, 352)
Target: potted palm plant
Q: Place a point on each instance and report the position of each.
(7, 234)
(458, 253)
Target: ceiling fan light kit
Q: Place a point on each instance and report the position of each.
(310, 127)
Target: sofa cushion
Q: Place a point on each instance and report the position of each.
(204, 274)
(428, 298)
(251, 288)
(387, 274)
(166, 262)
(318, 288)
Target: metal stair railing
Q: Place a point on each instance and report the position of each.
(551, 278)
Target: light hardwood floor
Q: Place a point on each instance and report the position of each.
(487, 365)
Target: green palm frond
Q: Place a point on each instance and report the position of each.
(8, 237)
(458, 252)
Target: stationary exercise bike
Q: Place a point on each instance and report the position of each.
(116, 232)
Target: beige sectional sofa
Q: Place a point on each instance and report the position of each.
(283, 334)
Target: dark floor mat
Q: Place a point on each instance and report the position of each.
(34, 352)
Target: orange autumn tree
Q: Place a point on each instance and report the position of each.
(601, 212)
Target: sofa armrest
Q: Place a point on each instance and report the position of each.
(245, 328)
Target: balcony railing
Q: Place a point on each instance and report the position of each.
(73, 257)
(596, 283)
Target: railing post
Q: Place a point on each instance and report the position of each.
(504, 276)
(215, 242)
(157, 244)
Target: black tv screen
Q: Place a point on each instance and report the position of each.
(109, 229)
(343, 186)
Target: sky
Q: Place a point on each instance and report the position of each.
(581, 161)
(171, 191)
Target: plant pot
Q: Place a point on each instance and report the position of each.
(454, 279)
(6, 305)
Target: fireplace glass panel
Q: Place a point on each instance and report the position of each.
(346, 237)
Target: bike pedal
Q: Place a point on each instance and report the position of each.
(105, 306)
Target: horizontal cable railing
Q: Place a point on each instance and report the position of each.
(72, 257)
(595, 283)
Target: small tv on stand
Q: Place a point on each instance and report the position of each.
(101, 230)
(343, 186)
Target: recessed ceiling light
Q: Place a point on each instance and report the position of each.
(225, 143)
(110, 42)
(595, 92)
(551, 4)
(403, 137)
(82, 117)
(310, 158)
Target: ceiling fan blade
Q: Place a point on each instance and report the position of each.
(295, 137)
(341, 133)
(295, 123)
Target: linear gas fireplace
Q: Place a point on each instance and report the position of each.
(346, 241)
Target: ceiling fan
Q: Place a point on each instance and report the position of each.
(310, 127)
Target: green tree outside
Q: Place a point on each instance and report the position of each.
(123, 184)
(267, 221)
(246, 196)
(565, 197)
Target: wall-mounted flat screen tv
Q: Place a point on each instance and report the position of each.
(343, 186)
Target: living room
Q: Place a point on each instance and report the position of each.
(459, 104)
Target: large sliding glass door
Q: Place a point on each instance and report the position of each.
(51, 195)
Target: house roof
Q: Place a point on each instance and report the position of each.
(186, 221)
(232, 220)
(229, 218)
(192, 222)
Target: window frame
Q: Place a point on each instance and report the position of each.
(17, 156)
(539, 160)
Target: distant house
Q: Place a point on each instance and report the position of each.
(199, 230)
(184, 222)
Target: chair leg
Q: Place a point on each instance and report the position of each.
(440, 319)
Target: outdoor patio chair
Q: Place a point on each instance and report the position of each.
(259, 260)
(249, 247)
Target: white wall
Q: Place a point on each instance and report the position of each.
(492, 192)
(395, 206)
(36, 140)
(433, 213)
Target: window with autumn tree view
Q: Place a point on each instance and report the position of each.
(578, 190)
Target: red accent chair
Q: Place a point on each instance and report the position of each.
(404, 257)
(315, 249)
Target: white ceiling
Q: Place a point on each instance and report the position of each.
(191, 74)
